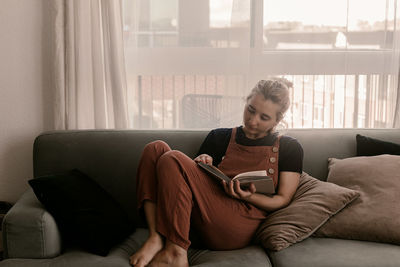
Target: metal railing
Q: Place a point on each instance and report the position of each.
(318, 101)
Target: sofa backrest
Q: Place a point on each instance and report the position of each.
(321, 144)
(111, 156)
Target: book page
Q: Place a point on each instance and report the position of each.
(251, 174)
(264, 184)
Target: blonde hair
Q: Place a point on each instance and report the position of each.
(274, 89)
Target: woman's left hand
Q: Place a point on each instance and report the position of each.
(234, 190)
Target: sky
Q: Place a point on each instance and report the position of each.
(312, 12)
(327, 12)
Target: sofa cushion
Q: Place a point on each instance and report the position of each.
(85, 213)
(312, 205)
(253, 256)
(331, 252)
(375, 215)
(368, 146)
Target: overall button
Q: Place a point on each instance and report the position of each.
(271, 171)
(272, 159)
(275, 149)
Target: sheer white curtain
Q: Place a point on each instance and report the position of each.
(190, 63)
(396, 122)
(343, 57)
(187, 65)
(89, 69)
(193, 61)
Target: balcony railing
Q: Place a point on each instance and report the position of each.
(210, 101)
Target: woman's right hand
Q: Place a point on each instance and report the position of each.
(207, 159)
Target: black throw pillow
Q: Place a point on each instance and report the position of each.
(367, 146)
(86, 214)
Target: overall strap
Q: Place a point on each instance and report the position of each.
(233, 135)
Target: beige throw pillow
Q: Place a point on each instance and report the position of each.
(375, 216)
(313, 204)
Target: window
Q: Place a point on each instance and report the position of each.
(344, 67)
(152, 23)
(328, 25)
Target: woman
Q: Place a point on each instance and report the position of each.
(177, 195)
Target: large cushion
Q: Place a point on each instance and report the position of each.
(375, 215)
(253, 256)
(312, 205)
(85, 213)
(368, 146)
(332, 252)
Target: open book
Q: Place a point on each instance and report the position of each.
(264, 183)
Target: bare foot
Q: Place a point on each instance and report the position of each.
(171, 256)
(147, 252)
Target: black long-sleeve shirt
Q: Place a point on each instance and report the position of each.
(290, 151)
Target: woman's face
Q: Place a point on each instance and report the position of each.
(259, 116)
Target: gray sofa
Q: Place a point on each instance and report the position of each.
(31, 237)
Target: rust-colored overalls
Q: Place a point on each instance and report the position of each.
(185, 194)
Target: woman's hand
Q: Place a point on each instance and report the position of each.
(207, 159)
(234, 190)
(288, 182)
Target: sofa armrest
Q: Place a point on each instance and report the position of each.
(29, 231)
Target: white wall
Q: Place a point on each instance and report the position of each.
(24, 90)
